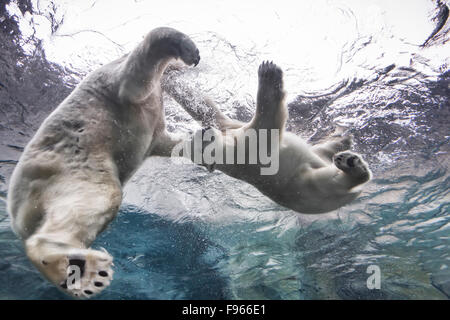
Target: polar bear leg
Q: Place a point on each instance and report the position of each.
(328, 149)
(71, 223)
(199, 107)
(141, 71)
(271, 111)
(82, 273)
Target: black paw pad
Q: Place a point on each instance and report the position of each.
(89, 292)
(103, 273)
(80, 263)
(98, 284)
(351, 161)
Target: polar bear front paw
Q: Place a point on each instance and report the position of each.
(88, 273)
(168, 41)
(271, 75)
(189, 52)
(352, 164)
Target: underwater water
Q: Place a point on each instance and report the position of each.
(376, 69)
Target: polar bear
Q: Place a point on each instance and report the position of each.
(309, 179)
(67, 185)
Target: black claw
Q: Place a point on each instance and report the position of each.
(63, 285)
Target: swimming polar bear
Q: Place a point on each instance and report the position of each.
(67, 185)
(309, 179)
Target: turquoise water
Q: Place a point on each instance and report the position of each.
(267, 255)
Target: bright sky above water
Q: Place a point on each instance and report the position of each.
(300, 35)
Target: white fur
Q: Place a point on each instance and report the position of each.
(68, 183)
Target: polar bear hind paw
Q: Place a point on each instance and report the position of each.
(94, 273)
(352, 163)
(271, 74)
